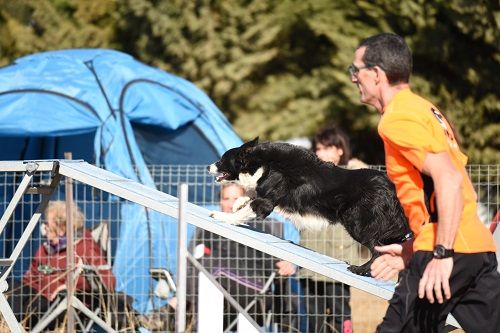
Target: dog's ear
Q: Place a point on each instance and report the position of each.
(251, 144)
(246, 149)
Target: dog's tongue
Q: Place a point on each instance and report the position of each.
(220, 176)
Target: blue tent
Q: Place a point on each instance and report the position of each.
(109, 109)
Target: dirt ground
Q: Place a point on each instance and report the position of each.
(367, 311)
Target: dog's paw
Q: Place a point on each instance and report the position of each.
(360, 270)
(217, 215)
(240, 203)
(225, 217)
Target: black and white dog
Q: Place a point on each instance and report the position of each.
(311, 193)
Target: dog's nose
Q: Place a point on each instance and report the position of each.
(212, 168)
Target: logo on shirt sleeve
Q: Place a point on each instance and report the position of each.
(447, 131)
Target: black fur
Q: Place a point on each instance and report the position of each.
(296, 181)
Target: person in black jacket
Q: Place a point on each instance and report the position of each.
(244, 271)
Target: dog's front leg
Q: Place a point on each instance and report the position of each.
(240, 203)
(262, 207)
(244, 214)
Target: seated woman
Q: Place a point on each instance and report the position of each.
(48, 273)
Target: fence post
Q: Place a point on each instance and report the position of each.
(70, 259)
(180, 313)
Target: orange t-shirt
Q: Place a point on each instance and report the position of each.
(411, 127)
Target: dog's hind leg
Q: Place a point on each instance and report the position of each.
(364, 269)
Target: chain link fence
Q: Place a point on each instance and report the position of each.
(277, 303)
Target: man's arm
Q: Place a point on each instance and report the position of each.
(448, 189)
(447, 184)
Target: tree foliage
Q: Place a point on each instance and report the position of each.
(278, 68)
(28, 26)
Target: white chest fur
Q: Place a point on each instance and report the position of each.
(248, 181)
(308, 221)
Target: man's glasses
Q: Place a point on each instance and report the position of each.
(353, 70)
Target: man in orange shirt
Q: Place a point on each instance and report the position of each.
(450, 265)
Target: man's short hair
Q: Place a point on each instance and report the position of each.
(391, 53)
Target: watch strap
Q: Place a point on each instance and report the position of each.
(440, 252)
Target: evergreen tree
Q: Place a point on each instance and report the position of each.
(30, 26)
(277, 69)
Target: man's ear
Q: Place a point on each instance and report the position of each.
(251, 144)
(380, 75)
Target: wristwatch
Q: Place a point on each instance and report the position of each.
(440, 252)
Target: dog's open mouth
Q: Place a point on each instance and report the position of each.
(220, 177)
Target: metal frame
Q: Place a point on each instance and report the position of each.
(169, 205)
(71, 303)
(30, 168)
(46, 191)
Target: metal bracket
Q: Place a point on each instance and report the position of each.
(31, 167)
(39, 190)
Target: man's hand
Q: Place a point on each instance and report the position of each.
(393, 259)
(285, 268)
(435, 280)
(390, 262)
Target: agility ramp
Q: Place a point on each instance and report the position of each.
(169, 205)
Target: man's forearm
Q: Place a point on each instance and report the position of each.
(448, 189)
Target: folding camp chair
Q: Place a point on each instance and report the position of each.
(100, 234)
(97, 304)
(246, 274)
(60, 305)
(259, 298)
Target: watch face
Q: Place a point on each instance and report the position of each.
(440, 252)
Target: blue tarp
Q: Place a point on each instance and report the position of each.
(111, 110)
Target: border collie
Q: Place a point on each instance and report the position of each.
(311, 193)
